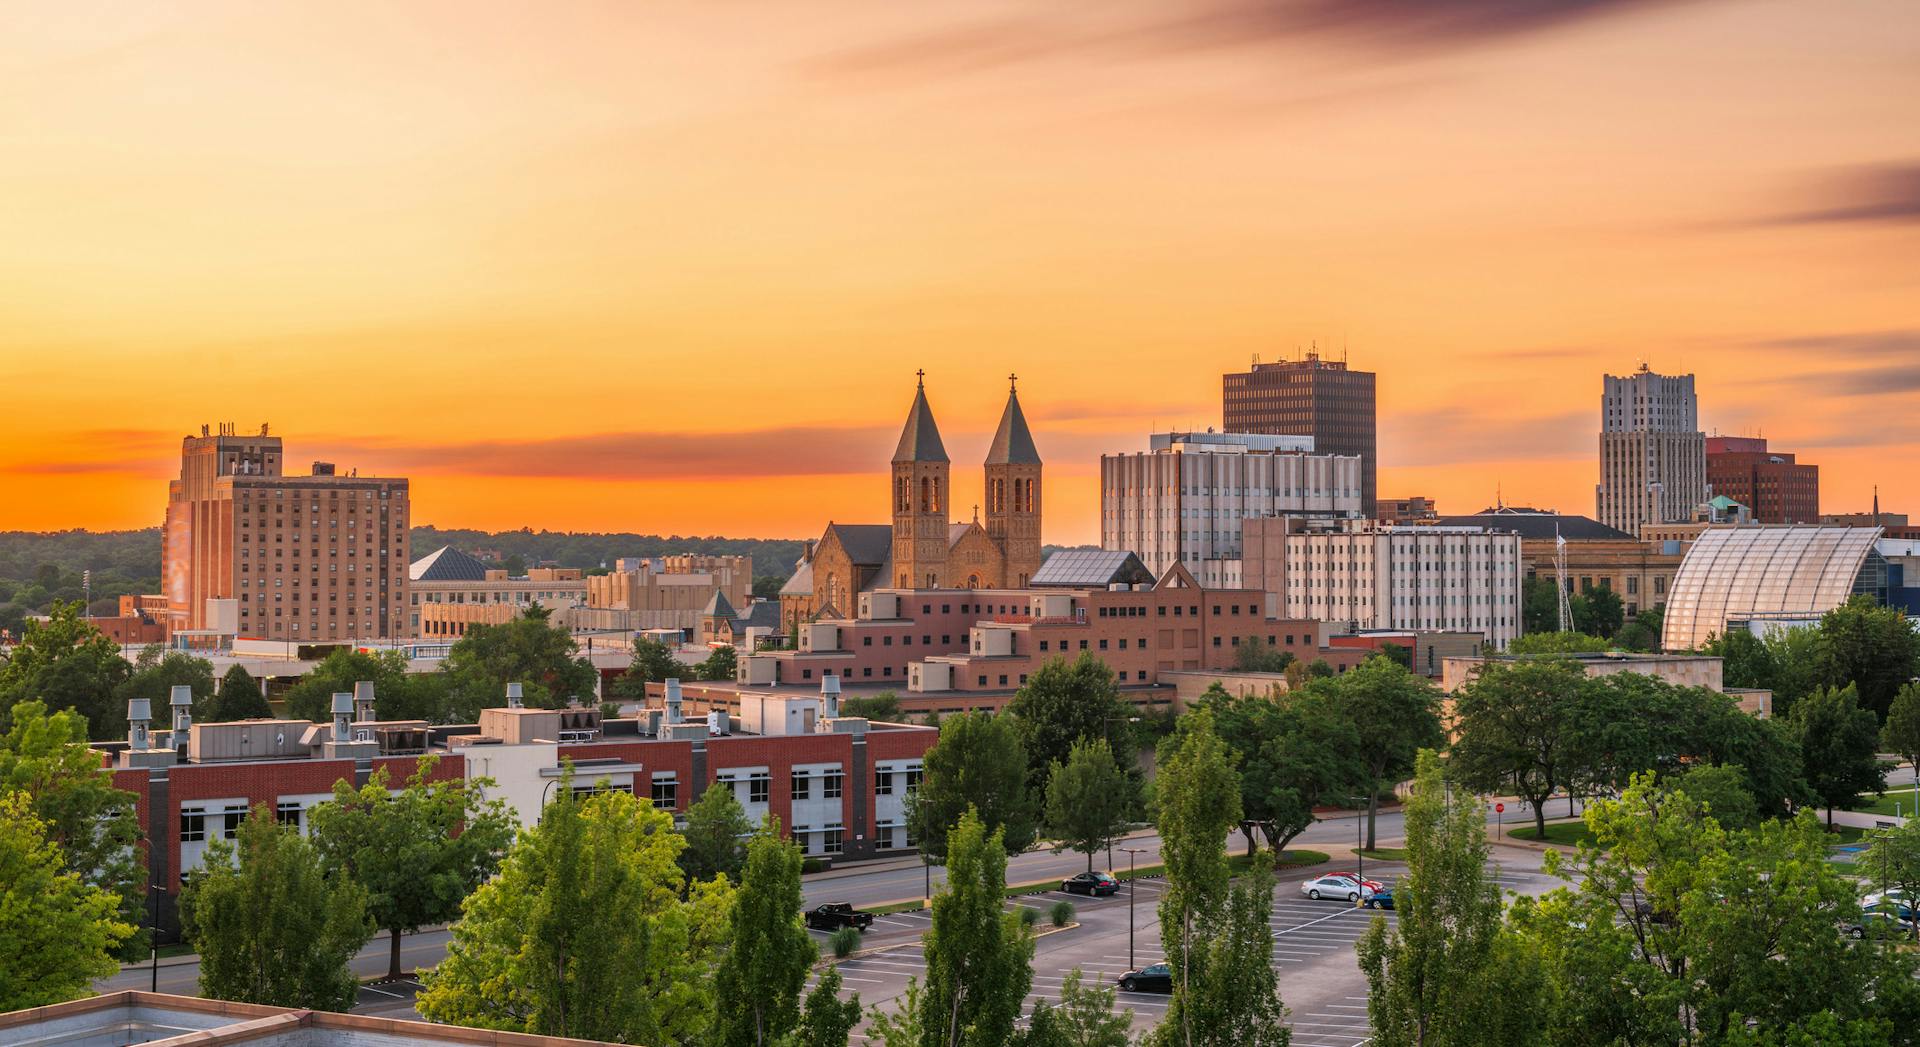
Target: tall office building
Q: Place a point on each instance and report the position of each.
(1653, 456)
(1778, 489)
(249, 551)
(1310, 397)
(1184, 500)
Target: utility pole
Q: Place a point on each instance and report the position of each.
(1359, 841)
(1131, 889)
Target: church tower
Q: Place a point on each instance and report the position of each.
(1013, 493)
(920, 469)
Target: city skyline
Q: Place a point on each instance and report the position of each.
(674, 274)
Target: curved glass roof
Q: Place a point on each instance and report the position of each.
(1733, 573)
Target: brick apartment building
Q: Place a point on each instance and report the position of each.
(1777, 489)
(838, 785)
(250, 551)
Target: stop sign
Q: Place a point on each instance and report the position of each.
(1499, 808)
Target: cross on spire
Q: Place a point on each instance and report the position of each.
(922, 376)
(1011, 378)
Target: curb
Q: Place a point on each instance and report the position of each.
(877, 950)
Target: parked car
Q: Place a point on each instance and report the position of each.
(1090, 883)
(1336, 886)
(1371, 885)
(1896, 895)
(1879, 924)
(835, 915)
(1154, 977)
(1380, 899)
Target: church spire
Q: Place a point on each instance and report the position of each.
(1013, 441)
(920, 438)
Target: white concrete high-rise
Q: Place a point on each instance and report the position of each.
(1653, 456)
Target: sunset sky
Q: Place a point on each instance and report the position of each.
(670, 267)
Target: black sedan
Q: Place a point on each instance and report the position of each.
(1090, 883)
(1154, 977)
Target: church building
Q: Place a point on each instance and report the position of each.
(923, 548)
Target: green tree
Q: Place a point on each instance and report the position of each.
(239, 698)
(157, 671)
(1722, 790)
(884, 706)
(1231, 996)
(584, 933)
(1196, 803)
(1294, 753)
(828, 1020)
(1677, 930)
(1892, 861)
(58, 934)
(1873, 648)
(653, 662)
(1086, 800)
(719, 665)
(978, 763)
(1512, 721)
(769, 952)
(1745, 659)
(393, 690)
(1539, 605)
(1598, 611)
(529, 650)
(91, 824)
(1901, 733)
(1768, 755)
(1643, 632)
(1063, 702)
(1395, 715)
(1556, 643)
(1839, 743)
(716, 834)
(1259, 656)
(1393, 652)
(66, 663)
(1085, 1017)
(417, 852)
(979, 956)
(1796, 658)
(1446, 974)
(269, 924)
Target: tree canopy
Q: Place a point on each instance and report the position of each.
(1087, 799)
(1063, 702)
(239, 698)
(528, 650)
(980, 764)
(716, 833)
(157, 671)
(769, 953)
(1295, 752)
(1872, 648)
(1839, 741)
(979, 955)
(67, 664)
(57, 932)
(1394, 715)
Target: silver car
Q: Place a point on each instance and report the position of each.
(1340, 887)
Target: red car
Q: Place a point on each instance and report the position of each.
(1370, 885)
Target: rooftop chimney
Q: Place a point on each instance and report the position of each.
(516, 696)
(363, 701)
(181, 699)
(139, 715)
(342, 716)
(830, 693)
(673, 700)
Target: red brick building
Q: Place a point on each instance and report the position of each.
(1778, 489)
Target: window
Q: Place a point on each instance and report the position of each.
(913, 780)
(759, 787)
(801, 782)
(287, 812)
(866, 641)
(666, 792)
(832, 840)
(883, 783)
(1103, 645)
(232, 819)
(1003, 679)
(193, 824)
(830, 784)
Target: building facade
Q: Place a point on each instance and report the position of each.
(1653, 456)
(1776, 488)
(1362, 577)
(668, 592)
(250, 551)
(923, 548)
(1312, 397)
(1639, 570)
(1415, 509)
(449, 591)
(1740, 574)
(1184, 500)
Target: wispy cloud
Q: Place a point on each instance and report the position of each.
(1902, 342)
(1884, 194)
(1172, 30)
(1461, 436)
(731, 454)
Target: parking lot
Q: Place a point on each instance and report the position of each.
(1313, 953)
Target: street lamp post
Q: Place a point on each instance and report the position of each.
(1131, 888)
(153, 933)
(1111, 720)
(1359, 841)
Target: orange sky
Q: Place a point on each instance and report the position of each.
(670, 267)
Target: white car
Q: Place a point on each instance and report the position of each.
(1872, 901)
(1343, 888)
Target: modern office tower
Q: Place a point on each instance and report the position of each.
(249, 551)
(1653, 457)
(1310, 397)
(1184, 499)
(1770, 483)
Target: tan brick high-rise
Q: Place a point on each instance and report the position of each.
(310, 558)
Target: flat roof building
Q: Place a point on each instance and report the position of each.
(1310, 397)
(1777, 489)
(1653, 459)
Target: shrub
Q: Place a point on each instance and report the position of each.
(843, 942)
(1062, 913)
(814, 865)
(1029, 916)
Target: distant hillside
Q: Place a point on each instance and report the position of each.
(771, 556)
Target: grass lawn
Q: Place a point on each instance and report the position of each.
(1871, 804)
(1565, 834)
(1846, 834)
(1387, 854)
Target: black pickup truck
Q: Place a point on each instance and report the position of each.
(834, 915)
